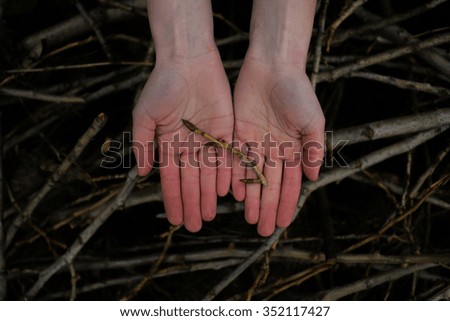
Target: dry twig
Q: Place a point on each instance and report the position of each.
(385, 22)
(85, 235)
(442, 295)
(325, 179)
(236, 152)
(94, 26)
(148, 277)
(402, 83)
(368, 283)
(399, 35)
(399, 218)
(428, 172)
(384, 56)
(29, 94)
(95, 127)
(319, 43)
(347, 10)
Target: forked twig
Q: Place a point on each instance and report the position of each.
(221, 144)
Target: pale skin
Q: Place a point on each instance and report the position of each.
(272, 95)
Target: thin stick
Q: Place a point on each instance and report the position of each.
(385, 22)
(24, 135)
(3, 281)
(325, 179)
(348, 9)
(80, 66)
(401, 36)
(139, 9)
(383, 56)
(176, 270)
(405, 195)
(398, 190)
(429, 171)
(29, 94)
(371, 282)
(115, 87)
(85, 235)
(319, 43)
(400, 218)
(443, 295)
(303, 276)
(244, 265)
(148, 277)
(73, 282)
(402, 83)
(94, 27)
(235, 151)
(95, 127)
(262, 275)
(295, 255)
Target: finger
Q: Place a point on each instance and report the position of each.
(252, 195)
(313, 151)
(208, 172)
(171, 187)
(237, 172)
(224, 165)
(270, 197)
(143, 145)
(190, 190)
(290, 191)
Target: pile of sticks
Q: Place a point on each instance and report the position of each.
(72, 229)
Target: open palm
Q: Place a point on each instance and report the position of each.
(278, 117)
(195, 89)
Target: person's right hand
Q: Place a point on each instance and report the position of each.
(195, 89)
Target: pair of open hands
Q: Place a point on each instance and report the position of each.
(268, 99)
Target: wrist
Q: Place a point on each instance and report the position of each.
(280, 31)
(181, 29)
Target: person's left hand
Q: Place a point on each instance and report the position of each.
(279, 117)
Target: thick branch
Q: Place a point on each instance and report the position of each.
(72, 28)
(393, 127)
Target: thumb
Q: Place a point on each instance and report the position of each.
(143, 142)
